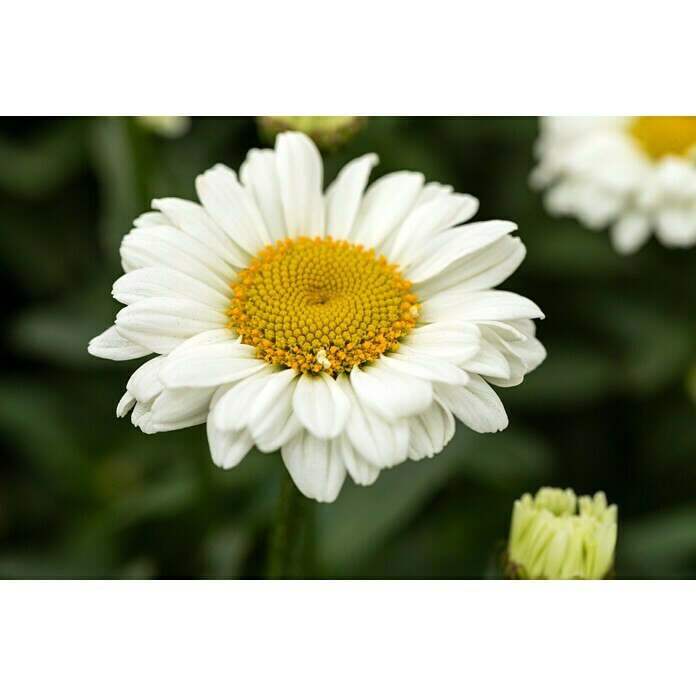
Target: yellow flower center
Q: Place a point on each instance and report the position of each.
(665, 135)
(320, 304)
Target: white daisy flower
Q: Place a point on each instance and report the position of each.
(345, 328)
(636, 174)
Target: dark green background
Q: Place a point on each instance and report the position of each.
(84, 494)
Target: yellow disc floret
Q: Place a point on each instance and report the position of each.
(665, 135)
(320, 304)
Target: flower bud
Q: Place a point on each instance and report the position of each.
(555, 536)
(691, 382)
(328, 132)
(166, 126)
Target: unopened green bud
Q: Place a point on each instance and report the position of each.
(166, 126)
(555, 536)
(328, 132)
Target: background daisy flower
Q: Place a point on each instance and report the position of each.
(636, 175)
(347, 328)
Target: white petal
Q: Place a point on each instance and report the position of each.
(523, 352)
(423, 366)
(476, 405)
(431, 191)
(630, 233)
(161, 324)
(386, 204)
(210, 366)
(345, 194)
(151, 219)
(426, 222)
(489, 361)
(259, 174)
(509, 331)
(193, 219)
(146, 283)
(301, 176)
(481, 305)
(142, 389)
(227, 449)
(113, 346)
(676, 227)
(273, 404)
(167, 247)
(175, 409)
(430, 431)
(524, 327)
(480, 271)
(675, 179)
(144, 383)
(125, 405)
(382, 443)
(141, 417)
(453, 341)
(272, 440)
(454, 244)
(597, 207)
(143, 247)
(232, 408)
(213, 337)
(233, 208)
(360, 470)
(391, 394)
(531, 352)
(315, 466)
(321, 405)
(498, 362)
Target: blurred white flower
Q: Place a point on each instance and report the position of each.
(635, 174)
(280, 316)
(551, 540)
(166, 126)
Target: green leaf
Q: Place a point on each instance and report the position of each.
(33, 167)
(363, 519)
(662, 544)
(58, 332)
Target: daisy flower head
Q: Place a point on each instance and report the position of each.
(345, 328)
(635, 175)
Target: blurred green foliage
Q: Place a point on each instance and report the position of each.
(84, 494)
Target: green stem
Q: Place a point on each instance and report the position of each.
(289, 535)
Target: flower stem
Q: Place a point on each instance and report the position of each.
(289, 535)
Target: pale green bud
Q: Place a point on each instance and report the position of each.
(555, 536)
(328, 132)
(166, 126)
(691, 382)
